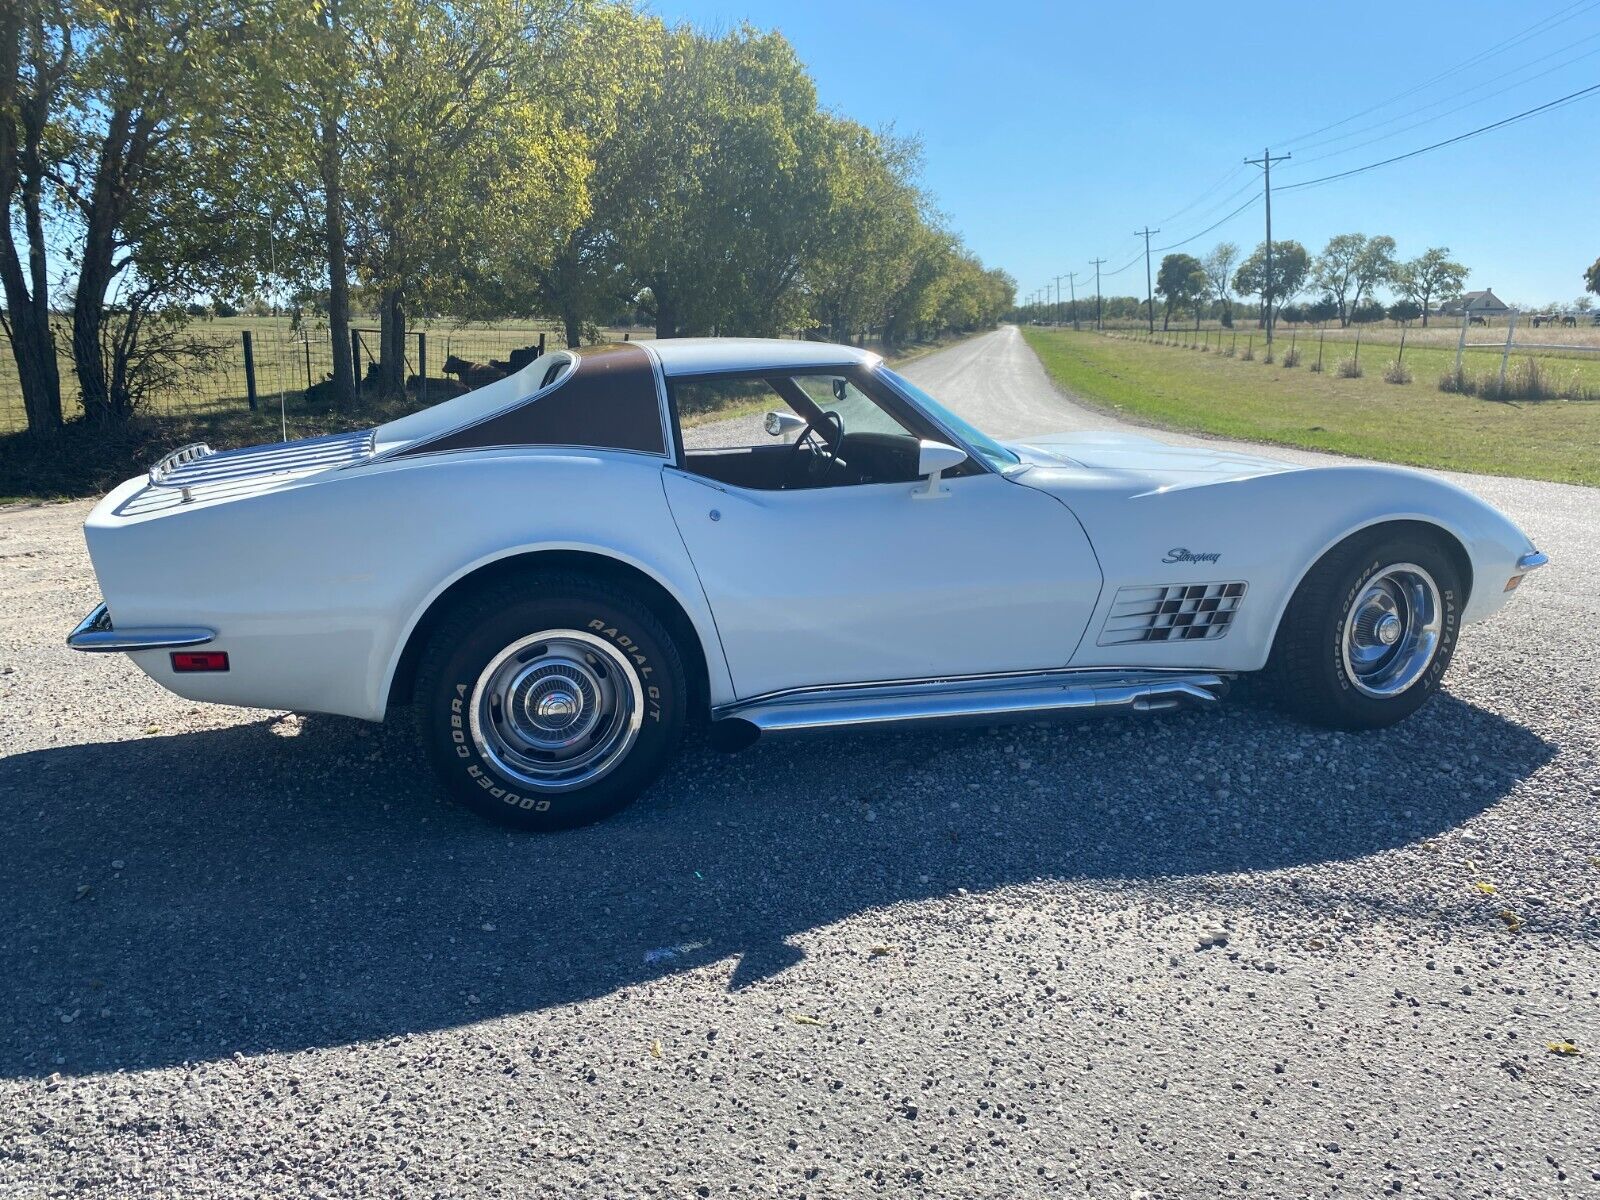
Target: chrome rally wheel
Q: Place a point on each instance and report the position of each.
(557, 710)
(1391, 632)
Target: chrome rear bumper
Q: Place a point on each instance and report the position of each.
(96, 635)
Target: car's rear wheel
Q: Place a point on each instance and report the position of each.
(550, 701)
(1370, 632)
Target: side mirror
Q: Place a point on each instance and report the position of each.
(841, 388)
(933, 459)
(779, 423)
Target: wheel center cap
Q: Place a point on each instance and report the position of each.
(556, 707)
(1388, 629)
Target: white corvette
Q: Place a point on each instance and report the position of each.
(559, 570)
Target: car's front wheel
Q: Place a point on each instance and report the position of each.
(550, 701)
(1370, 632)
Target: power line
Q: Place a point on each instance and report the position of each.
(1460, 137)
(1458, 108)
(1213, 188)
(1214, 225)
(1541, 26)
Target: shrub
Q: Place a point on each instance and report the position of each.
(1457, 380)
(1291, 356)
(1316, 367)
(1527, 380)
(1397, 372)
(1349, 368)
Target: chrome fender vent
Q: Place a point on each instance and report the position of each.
(1176, 612)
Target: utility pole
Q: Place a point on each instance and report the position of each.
(1059, 278)
(1072, 283)
(1149, 291)
(1095, 263)
(1265, 163)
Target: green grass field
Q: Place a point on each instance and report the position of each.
(1415, 423)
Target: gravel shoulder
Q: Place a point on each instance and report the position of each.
(251, 954)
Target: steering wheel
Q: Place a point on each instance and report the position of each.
(825, 452)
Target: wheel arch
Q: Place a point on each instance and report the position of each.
(1447, 538)
(593, 563)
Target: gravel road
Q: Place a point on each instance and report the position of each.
(251, 954)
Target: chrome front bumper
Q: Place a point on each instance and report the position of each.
(96, 635)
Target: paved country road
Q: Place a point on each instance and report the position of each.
(251, 954)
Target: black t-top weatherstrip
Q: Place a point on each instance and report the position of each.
(609, 402)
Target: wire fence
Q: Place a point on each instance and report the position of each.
(241, 363)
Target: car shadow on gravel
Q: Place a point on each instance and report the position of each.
(297, 882)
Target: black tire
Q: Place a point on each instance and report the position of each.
(1308, 670)
(641, 663)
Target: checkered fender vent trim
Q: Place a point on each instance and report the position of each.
(1179, 612)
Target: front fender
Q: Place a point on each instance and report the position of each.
(1267, 531)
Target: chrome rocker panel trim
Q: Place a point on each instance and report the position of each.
(96, 635)
(981, 700)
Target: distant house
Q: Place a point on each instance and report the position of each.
(1480, 304)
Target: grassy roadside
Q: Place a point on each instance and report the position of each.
(1414, 423)
(88, 461)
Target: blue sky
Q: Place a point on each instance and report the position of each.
(1054, 130)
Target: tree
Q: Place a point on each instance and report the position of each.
(1405, 311)
(1337, 268)
(1591, 277)
(1219, 274)
(147, 179)
(1181, 280)
(1432, 275)
(725, 183)
(1583, 303)
(874, 214)
(1321, 310)
(1374, 268)
(1367, 312)
(35, 58)
(1290, 266)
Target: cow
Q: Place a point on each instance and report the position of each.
(474, 375)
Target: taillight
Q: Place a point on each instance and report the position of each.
(199, 660)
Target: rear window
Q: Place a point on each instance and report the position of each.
(609, 402)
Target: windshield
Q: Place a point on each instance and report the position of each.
(991, 451)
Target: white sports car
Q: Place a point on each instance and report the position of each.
(562, 569)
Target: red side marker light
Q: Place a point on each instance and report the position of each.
(199, 660)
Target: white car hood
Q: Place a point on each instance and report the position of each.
(1154, 464)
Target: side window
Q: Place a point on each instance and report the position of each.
(721, 412)
(786, 432)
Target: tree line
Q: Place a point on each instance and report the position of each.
(1341, 284)
(571, 159)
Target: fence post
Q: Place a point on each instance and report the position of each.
(1321, 334)
(355, 358)
(249, 371)
(1461, 342)
(308, 362)
(541, 345)
(422, 366)
(1505, 355)
(1358, 349)
(1401, 356)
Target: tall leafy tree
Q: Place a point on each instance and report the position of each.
(35, 61)
(724, 187)
(1291, 265)
(1336, 270)
(1432, 275)
(1219, 266)
(1182, 280)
